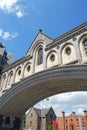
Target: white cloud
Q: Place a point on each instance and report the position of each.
(68, 102)
(6, 35)
(12, 6)
(19, 14)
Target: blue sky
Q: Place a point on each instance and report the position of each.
(20, 21)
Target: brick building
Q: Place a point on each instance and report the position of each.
(40, 119)
(72, 121)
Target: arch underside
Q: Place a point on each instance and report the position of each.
(24, 94)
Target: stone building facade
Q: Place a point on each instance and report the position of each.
(43, 54)
(72, 121)
(40, 119)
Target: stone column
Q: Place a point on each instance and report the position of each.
(77, 50)
(59, 57)
(14, 73)
(44, 60)
(32, 64)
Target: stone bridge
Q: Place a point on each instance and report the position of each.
(50, 66)
(27, 92)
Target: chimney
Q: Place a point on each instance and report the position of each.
(73, 113)
(85, 112)
(63, 114)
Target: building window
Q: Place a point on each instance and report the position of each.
(82, 121)
(77, 121)
(19, 72)
(68, 51)
(72, 128)
(78, 128)
(31, 115)
(66, 127)
(71, 119)
(28, 68)
(30, 123)
(83, 128)
(10, 78)
(40, 56)
(85, 46)
(52, 57)
(7, 120)
(66, 121)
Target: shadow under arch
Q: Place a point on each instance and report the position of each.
(24, 94)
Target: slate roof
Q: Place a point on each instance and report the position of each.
(42, 112)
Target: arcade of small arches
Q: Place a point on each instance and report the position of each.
(73, 51)
(51, 58)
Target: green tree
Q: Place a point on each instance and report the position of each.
(49, 126)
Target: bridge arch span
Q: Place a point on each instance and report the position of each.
(24, 94)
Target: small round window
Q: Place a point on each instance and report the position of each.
(28, 68)
(68, 51)
(52, 57)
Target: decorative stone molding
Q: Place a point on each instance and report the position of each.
(58, 73)
(42, 85)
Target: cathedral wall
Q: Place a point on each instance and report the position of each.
(52, 59)
(81, 46)
(71, 50)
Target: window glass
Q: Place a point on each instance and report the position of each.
(85, 46)
(66, 127)
(52, 57)
(7, 121)
(77, 121)
(40, 56)
(68, 51)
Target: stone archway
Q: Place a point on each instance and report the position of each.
(41, 85)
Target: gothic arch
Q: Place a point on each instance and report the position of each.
(18, 74)
(82, 37)
(38, 57)
(27, 69)
(51, 59)
(7, 120)
(68, 53)
(3, 81)
(82, 48)
(42, 85)
(10, 78)
(36, 45)
(36, 53)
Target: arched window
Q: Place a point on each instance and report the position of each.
(18, 75)
(40, 56)
(7, 120)
(10, 78)
(66, 127)
(72, 128)
(85, 46)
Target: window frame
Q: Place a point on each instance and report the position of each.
(40, 56)
(85, 46)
